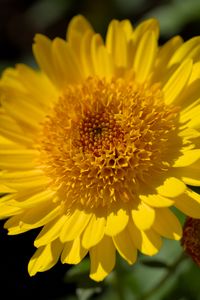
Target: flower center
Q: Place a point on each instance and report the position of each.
(98, 132)
(104, 138)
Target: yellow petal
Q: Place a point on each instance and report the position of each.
(68, 69)
(7, 198)
(12, 131)
(94, 232)
(42, 50)
(96, 43)
(106, 67)
(9, 77)
(77, 27)
(195, 122)
(195, 75)
(116, 221)
(5, 189)
(189, 115)
(193, 179)
(168, 49)
(12, 159)
(156, 200)
(74, 225)
(50, 231)
(177, 81)
(125, 246)
(79, 36)
(7, 144)
(23, 111)
(32, 218)
(189, 157)
(127, 28)
(37, 86)
(143, 216)
(148, 242)
(6, 207)
(167, 224)
(189, 112)
(20, 175)
(8, 211)
(172, 187)
(143, 27)
(164, 54)
(187, 50)
(145, 56)
(73, 252)
(27, 200)
(116, 43)
(45, 258)
(34, 183)
(190, 97)
(86, 54)
(189, 133)
(102, 258)
(190, 174)
(189, 204)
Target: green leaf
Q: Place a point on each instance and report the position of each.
(78, 273)
(85, 294)
(154, 263)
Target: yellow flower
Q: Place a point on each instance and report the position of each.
(98, 145)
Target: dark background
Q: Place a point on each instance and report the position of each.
(19, 21)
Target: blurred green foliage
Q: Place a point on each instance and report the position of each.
(169, 275)
(173, 16)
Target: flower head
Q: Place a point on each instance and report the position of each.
(100, 143)
(191, 239)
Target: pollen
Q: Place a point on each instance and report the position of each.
(103, 139)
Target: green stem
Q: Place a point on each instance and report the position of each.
(119, 287)
(171, 269)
